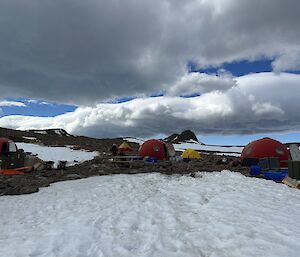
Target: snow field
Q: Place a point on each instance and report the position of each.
(57, 154)
(219, 214)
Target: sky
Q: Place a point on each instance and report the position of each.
(227, 69)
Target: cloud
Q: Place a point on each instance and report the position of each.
(259, 103)
(80, 52)
(288, 61)
(32, 101)
(193, 83)
(5, 103)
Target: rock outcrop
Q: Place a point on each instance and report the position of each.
(183, 137)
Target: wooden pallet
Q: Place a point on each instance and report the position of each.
(291, 182)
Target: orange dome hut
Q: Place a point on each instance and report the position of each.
(265, 148)
(157, 148)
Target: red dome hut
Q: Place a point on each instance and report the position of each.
(156, 148)
(265, 148)
(7, 146)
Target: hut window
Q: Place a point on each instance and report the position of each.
(279, 150)
(156, 148)
(12, 147)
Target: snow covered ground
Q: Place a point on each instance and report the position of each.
(217, 215)
(191, 144)
(229, 150)
(58, 153)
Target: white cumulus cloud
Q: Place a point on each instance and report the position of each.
(258, 103)
(5, 103)
(193, 83)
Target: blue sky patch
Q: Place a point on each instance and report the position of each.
(190, 95)
(158, 94)
(236, 68)
(245, 139)
(36, 108)
(122, 99)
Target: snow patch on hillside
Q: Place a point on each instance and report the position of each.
(209, 148)
(56, 154)
(30, 138)
(134, 140)
(192, 144)
(40, 132)
(61, 132)
(218, 214)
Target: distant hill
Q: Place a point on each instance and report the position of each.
(183, 137)
(46, 136)
(60, 137)
(55, 132)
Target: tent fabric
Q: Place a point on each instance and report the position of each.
(154, 148)
(171, 150)
(125, 147)
(266, 148)
(190, 154)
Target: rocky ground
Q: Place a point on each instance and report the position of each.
(100, 166)
(31, 182)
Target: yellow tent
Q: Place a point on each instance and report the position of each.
(190, 154)
(125, 147)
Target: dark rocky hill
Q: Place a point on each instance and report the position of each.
(183, 137)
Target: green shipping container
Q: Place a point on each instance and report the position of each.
(294, 169)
